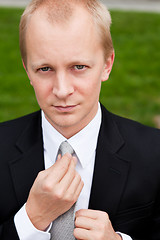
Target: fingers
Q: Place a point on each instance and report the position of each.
(82, 222)
(54, 191)
(83, 228)
(60, 168)
(88, 219)
(83, 234)
(69, 175)
(67, 184)
(91, 224)
(71, 183)
(75, 188)
(94, 214)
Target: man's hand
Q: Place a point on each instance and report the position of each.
(91, 224)
(54, 191)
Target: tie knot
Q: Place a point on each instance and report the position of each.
(65, 147)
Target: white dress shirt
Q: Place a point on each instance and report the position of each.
(84, 144)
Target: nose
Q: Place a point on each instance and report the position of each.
(62, 86)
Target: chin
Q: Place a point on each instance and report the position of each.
(62, 122)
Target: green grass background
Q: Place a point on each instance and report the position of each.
(133, 90)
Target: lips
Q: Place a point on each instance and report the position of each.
(67, 108)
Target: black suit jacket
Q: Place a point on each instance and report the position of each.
(126, 182)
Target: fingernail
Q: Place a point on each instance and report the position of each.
(68, 155)
(75, 159)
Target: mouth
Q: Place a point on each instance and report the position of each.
(65, 109)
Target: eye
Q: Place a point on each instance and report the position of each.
(79, 67)
(45, 69)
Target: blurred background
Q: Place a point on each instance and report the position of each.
(133, 90)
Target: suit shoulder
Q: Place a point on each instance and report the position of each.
(20, 119)
(15, 126)
(128, 124)
(131, 126)
(139, 139)
(132, 131)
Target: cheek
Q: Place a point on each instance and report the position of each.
(91, 87)
(42, 90)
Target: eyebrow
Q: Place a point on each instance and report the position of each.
(82, 62)
(35, 66)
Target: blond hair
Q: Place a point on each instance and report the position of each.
(61, 11)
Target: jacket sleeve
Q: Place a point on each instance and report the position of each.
(8, 230)
(155, 232)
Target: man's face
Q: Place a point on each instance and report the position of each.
(65, 64)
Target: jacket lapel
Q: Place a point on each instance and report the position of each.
(30, 161)
(111, 171)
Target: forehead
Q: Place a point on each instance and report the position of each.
(76, 36)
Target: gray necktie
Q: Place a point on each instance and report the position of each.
(63, 226)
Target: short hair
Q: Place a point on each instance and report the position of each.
(61, 11)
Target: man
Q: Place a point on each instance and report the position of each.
(113, 177)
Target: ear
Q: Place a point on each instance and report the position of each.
(26, 71)
(108, 67)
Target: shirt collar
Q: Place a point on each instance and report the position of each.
(84, 142)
